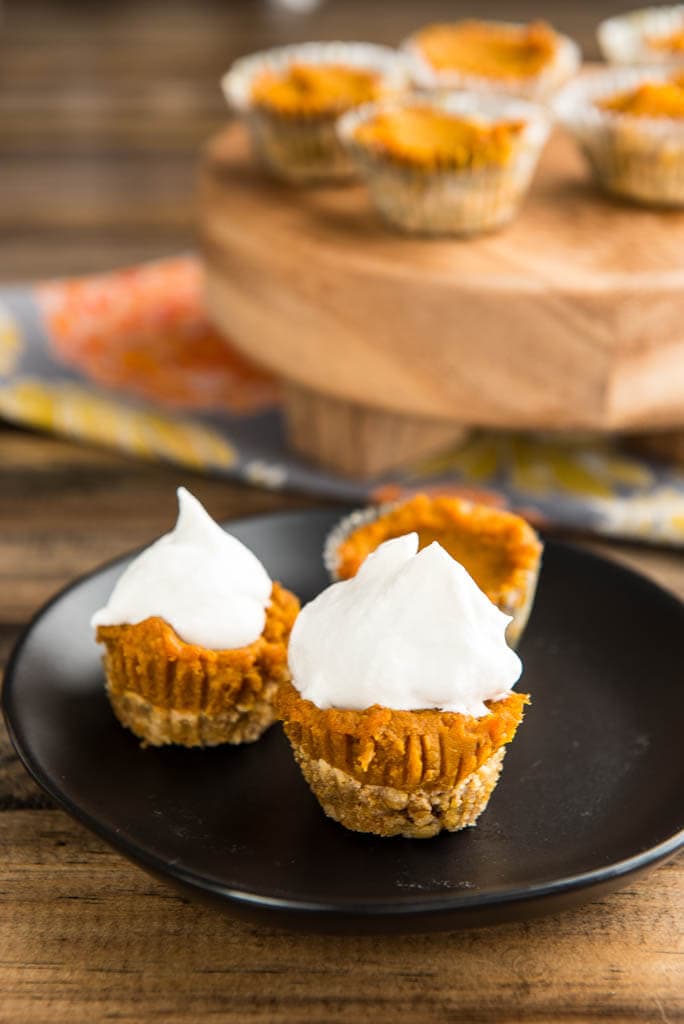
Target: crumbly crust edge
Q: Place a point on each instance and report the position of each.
(387, 811)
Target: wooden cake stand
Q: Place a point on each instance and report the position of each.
(389, 346)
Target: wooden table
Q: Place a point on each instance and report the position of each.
(101, 111)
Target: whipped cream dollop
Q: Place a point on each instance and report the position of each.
(208, 586)
(411, 631)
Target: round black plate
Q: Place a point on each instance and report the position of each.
(590, 792)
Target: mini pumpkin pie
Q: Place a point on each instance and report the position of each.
(499, 550)
(630, 126)
(401, 703)
(649, 35)
(195, 636)
(523, 60)
(291, 98)
(452, 164)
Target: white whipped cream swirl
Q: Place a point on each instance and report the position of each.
(411, 631)
(202, 581)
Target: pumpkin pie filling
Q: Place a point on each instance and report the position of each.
(672, 42)
(315, 89)
(500, 550)
(401, 749)
(489, 50)
(428, 138)
(649, 99)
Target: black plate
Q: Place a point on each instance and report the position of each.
(590, 793)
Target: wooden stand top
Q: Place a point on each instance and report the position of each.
(568, 236)
(569, 317)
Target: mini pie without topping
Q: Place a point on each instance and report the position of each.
(315, 89)
(425, 137)
(500, 550)
(456, 163)
(489, 50)
(630, 126)
(168, 691)
(292, 98)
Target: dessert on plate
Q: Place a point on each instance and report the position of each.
(529, 60)
(454, 163)
(649, 35)
(195, 636)
(291, 98)
(629, 123)
(499, 550)
(400, 702)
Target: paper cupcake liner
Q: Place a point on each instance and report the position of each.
(518, 610)
(442, 201)
(447, 204)
(537, 87)
(388, 811)
(623, 39)
(299, 151)
(359, 517)
(306, 149)
(638, 158)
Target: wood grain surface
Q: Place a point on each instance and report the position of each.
(87, 937)
(102, 110)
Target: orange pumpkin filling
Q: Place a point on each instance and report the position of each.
(150, 659)
(315, 89)
(430, 138)
(500, 550)
(650, 99)
(402, 749)
(673, 42)
(489, 50)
